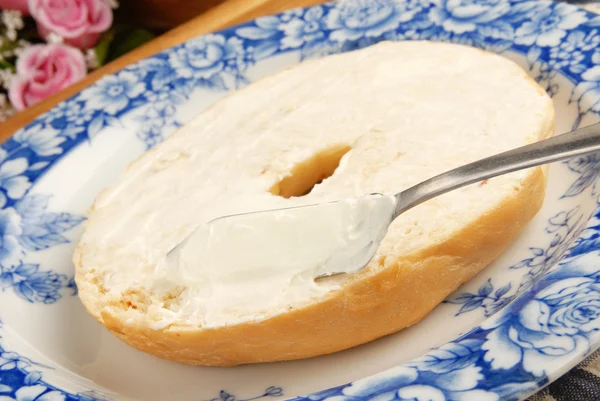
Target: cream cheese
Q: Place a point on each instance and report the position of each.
(237, 265)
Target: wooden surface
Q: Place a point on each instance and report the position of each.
(228, 13)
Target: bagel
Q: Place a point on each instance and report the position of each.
(375, 120)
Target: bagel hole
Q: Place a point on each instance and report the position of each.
(305, 175)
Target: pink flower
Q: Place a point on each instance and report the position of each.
(79, 22)
(20, 5)
(43, 70)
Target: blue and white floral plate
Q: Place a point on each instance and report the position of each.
(523, 322)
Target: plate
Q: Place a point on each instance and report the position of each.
(524, 321)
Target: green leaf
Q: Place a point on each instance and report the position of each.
(5, 65)
(128, 39)
(103, 46)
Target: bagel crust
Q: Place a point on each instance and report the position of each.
(402, 284)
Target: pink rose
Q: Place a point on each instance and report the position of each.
(78, 22)
(20, 5)
(43, 70)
